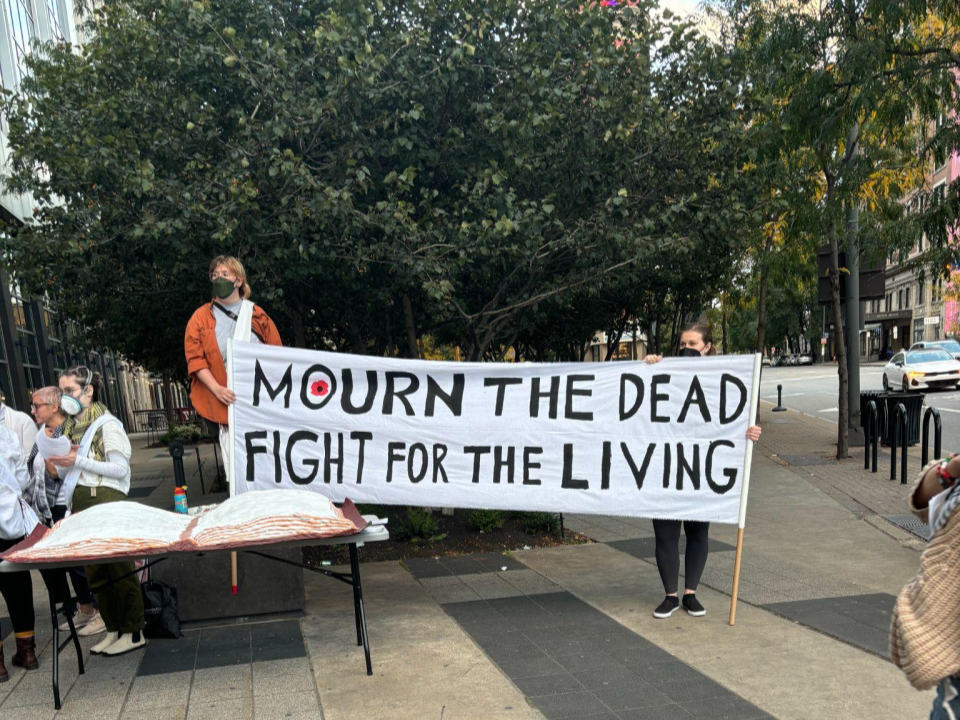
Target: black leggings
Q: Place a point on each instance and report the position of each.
(668, 552)
(17, 591)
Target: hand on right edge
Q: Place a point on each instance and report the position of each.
(224, 395)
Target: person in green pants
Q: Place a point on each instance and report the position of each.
(97, 471)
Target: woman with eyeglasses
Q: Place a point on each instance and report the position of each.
(229, 315)
(696, 340)
(97, 471)
(46, 494)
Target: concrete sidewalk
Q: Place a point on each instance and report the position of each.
(563, 632)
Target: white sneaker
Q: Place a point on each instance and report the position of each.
(93, 627)
(79, 620)
(126, 644)
(109, 640)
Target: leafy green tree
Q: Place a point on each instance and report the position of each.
(849, 83)
(387, 171)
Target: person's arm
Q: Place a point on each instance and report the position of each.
(199, 367)
(116, 466)
(930, 482)
(224, 395)
(28, 433)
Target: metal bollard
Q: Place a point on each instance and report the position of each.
(873, 437)
(937, 435)
(899, 438)
(779, 407)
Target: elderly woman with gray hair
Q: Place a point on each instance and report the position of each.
(46, 495)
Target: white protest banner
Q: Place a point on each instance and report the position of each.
(656, 441)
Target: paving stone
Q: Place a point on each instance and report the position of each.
(453, 595)
(660, 712)
(728, 708)
(582, 662)
(548, 685)
(660, 673)
(518, 669)
(442, 581)
(287, 705)
(693, 690)
(607, 678)
(427, 568)
(221, 710)
(569, 645)
(500, 638)
(510, 653)
(572, 705)
(628, 698)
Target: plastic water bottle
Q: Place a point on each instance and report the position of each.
(180, 500)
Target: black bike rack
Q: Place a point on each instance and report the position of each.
(937, 435)
(899, 438)
(873, 437)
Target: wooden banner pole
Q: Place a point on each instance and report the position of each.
(736, 577)
(228, 459)
(747, 467)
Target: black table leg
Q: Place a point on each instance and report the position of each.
(56, 652)
(58, 647)
(358, 595)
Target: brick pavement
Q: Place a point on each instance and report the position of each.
(807, 447)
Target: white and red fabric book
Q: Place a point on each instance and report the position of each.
(129, 529)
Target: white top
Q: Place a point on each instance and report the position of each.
(16, 517)
(21, 424)
(12, 455)
(226, 327)
(114, 472)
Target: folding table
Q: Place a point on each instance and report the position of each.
(375, 531)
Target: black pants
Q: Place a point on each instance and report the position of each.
(56, 580)
(668, 552)
(17, 591)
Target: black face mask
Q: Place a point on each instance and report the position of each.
(688, 352)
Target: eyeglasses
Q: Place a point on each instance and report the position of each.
(37, 406)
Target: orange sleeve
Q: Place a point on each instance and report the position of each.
(193, 348)
(271, 335)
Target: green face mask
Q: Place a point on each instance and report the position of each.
(223, 288)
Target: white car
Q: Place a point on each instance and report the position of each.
(921, 370)
(951, 346)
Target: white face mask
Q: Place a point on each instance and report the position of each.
(70, 405)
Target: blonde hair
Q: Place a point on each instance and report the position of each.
(50, 394)
(236, 267)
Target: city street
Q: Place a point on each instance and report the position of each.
(812, 390)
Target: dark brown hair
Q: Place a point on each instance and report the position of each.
(85, 376)
(705, 332)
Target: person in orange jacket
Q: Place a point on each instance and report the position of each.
(227, 316)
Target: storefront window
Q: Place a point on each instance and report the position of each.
(918, 330)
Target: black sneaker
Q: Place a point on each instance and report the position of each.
(667, 607)
(693, 606)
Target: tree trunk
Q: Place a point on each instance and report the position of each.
(168, 401)
(723, 328)
(762, 299)
(837, 311)
(413, 347)
(613, 342)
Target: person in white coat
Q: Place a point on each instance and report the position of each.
(17, 520)
(20, 423)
